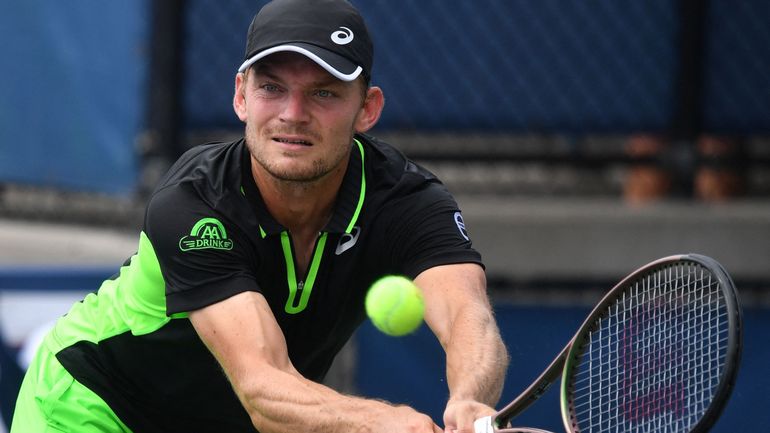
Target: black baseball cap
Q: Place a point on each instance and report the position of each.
(330, 32)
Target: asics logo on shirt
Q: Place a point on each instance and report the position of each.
(461, 225)
(348, 240)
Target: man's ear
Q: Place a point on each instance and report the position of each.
(239, 97)
(371, 110)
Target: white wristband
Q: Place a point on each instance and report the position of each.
(483, 425)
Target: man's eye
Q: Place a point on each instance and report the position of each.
(270, 87)
(324, 93)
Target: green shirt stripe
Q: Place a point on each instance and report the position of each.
(134, 302)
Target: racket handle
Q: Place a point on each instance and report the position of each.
(483, 425)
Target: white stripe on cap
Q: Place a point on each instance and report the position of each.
(344, 77)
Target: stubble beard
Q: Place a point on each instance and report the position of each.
(297, 176)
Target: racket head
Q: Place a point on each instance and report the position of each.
(660, 352)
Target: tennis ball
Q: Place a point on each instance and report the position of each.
(394, 305)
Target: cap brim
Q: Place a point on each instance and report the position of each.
(333, 63)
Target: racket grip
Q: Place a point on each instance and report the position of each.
(483, 425)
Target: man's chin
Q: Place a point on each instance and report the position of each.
(296, 175)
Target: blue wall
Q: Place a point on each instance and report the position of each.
(72, 92)
(411, 369)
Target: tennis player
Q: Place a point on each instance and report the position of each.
(254, 260)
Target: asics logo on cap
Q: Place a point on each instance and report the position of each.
(343, 37)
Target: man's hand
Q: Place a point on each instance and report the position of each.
(460, 415)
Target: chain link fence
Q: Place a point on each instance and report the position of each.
(736, 91)
(520, 65)
(492, 65)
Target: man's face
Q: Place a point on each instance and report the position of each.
(299, 119)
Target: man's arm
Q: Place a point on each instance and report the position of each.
(457, 309)
(244, 336)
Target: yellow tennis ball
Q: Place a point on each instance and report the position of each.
(394, 305)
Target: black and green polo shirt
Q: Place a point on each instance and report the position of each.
(207, 235)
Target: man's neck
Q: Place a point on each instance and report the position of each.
(301, 207)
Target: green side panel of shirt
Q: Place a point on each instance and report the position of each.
(133, 302)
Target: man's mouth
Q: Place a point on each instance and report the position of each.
(292, 141)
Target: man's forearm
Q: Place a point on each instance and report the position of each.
(282, 402)
(459, 313)
(476, 356)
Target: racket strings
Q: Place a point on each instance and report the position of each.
(588, 379)
(667, 345)
(703, 382)
(654, 359)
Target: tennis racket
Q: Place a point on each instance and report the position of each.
(659, 353)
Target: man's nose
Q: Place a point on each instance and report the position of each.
(295, 109)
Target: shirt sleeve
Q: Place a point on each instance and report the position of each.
(426, 229)
(203, 256)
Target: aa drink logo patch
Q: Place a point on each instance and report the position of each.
(207, 233)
